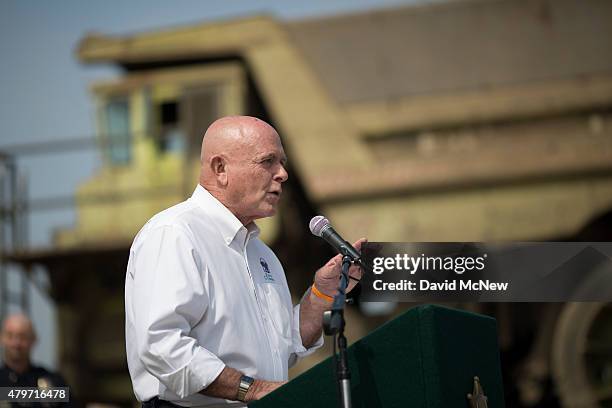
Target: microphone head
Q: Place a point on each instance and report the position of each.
(317, 224)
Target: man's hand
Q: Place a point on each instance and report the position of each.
(261, 388)
(226, 386)
(327, 278)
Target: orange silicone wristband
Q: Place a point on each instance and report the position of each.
(320, 294)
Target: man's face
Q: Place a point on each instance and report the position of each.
(255, 173)
(17, 340)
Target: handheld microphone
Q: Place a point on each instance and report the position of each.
(321, 227)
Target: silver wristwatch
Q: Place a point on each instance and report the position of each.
(243, 388)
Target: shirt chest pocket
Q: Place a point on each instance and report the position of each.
(270, 282)
(279, 308)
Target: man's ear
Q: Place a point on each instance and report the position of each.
(218, 165)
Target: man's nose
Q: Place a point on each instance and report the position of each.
(281, 175)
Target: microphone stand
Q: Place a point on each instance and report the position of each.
(333, 324)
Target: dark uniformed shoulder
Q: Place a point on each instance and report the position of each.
(4, 376)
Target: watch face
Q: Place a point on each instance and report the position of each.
(243, 388)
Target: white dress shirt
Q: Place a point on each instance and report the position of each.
(202, 291)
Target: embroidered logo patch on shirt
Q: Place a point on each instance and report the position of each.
(266, 270)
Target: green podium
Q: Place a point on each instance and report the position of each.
(428, 357)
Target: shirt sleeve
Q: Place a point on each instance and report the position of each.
(298, 346)
(169, 299)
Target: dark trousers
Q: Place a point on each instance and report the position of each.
(157, 403)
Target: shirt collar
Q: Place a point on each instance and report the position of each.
(226, 222)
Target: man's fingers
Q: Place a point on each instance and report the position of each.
(356, 273)
(334, 261)
(337, 260)
(333, 267)
(357, 244)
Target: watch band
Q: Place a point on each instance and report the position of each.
(243, 388)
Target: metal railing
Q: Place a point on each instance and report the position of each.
(13, 230)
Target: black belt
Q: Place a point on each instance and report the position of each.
(159, 403)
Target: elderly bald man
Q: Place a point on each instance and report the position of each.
(17, 338)
(209, 318)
